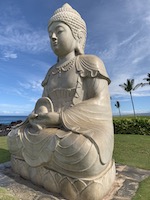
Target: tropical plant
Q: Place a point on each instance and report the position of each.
(146, 79)
(129, 87)
(138, 126)
(118, 106)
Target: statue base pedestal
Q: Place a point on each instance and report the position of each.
(69, 188)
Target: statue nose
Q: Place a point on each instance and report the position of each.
(53, 37)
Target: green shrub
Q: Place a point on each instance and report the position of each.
(139, 126)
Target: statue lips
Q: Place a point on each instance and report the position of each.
(55, 43)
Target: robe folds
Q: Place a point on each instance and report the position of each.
(82, 145)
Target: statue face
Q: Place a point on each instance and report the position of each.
(61, 39)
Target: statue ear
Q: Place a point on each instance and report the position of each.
(80, 36)
(79, 39)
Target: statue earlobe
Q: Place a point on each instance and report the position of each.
(80, 43)
(79, 50)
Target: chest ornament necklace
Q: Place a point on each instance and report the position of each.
(63, 67)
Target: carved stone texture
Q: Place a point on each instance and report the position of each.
(66, 143)
(70, 188)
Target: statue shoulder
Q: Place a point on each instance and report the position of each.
(95, 61)
(91, 66)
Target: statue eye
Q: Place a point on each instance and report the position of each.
(59, 30)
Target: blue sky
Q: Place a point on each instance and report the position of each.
(118, 33)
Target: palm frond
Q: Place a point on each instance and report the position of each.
(137, 86)
(143, 84)
(147, 78)
(117, 104)
(122, 86)
(148, 75)
(131, 81)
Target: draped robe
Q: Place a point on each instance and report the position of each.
(82, 145)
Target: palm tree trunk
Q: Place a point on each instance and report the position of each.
(119, 112)
(132, 103)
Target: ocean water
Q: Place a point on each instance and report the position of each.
(9, 119)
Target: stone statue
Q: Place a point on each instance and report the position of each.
(66, 143)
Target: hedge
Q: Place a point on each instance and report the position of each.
(140, 126)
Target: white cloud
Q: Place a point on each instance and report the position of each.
(136, 60)
(32, 85)
(117, 92)
(30, 41)
(147, 20)
(126, 59)
(30, 91)
(34, 100)
(110, 53)
(17, 34)
(11, 109)
(9, 55)
(127, 40)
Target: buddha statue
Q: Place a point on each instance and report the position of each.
(65, 145)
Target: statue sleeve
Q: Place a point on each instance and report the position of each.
(91, 66)
(93, 118)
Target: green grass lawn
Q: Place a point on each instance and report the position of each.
(4, 153)
(132, 150)
(5, 195)
(143, 192)
(4, 157)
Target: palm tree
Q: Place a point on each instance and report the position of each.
(146, 79)
(118, 106)
(129, 87)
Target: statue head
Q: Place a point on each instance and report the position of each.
(71, 18)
